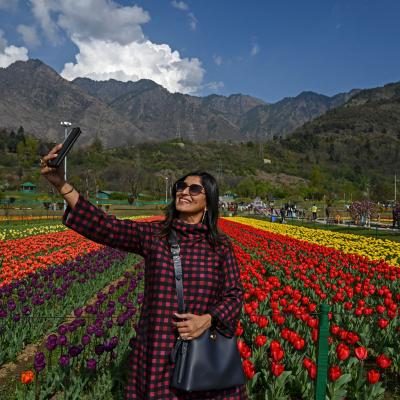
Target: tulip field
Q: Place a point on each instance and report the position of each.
(68, 309)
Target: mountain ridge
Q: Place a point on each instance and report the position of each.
(124, 113)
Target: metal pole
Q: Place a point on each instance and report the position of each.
(395, 189)
(65, 124)
(166, 190)
(322, 356)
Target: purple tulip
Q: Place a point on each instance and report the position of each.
(109, 324)
(3, 313)
(85, 340)
(78, 312)
(99, 332)
(121, 320)
(26, 310)
(39, 362)
(62, 340)
(16, 318)
(64, 361)
(74, 351)
(62, 329)
(91, 330)
(91, 364)
(51, 342)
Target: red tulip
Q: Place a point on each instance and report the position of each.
(312, 371)
(277, 354)
(373, 376)
(342, 352)
(383, 323)
(380, 309)
(383, 361)
(299, 343)
(277, 369)
(335, 329)
(262, 322)
(260, 340)
(361, 352)
(334, 373)
(274, 345)
(248, 369)
(307, 363)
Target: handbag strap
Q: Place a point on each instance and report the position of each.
(175, 250)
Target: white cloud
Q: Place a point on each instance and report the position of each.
(42, 10)
(10, 54)
(102, 60)
(90, 19)
(29, 35)
(255, 50)
(217, 59)
(111, 44)
(180, 5)
(216, 86)
(193, 21)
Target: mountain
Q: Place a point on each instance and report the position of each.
(123, 113)
(166, 115)
(36, 97)
(281, 118)
(358, 141)
(107, 91)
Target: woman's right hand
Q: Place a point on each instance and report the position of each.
(54, 175)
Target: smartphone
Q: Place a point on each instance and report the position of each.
(66, 147)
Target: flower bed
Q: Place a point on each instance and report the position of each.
(285, 280)
(373, 249)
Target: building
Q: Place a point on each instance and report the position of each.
(28, 187)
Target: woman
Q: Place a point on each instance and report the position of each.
(212, 286)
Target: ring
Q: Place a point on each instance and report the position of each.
(43, 163)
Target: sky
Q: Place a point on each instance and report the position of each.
(263, 48)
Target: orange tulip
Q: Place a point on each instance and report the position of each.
(27, 377)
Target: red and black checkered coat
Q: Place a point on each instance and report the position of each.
(211, 283)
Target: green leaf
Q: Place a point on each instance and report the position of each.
(346, 378)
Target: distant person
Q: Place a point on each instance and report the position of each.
(314, 210)
(396, 217)
(283, 214)
(327, 213)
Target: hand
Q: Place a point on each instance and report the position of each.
(192, 326)
(53, 175)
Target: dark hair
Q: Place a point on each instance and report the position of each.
(212, 201)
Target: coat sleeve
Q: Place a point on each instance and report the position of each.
(226, 312)
(91, 222)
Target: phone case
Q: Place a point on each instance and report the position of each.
(66, 147)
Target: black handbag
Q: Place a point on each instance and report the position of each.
(209, 362)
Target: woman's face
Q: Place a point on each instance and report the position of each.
(188, 204)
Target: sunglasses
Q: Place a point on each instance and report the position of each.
(194, 188)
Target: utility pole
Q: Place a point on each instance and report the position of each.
(66, 125)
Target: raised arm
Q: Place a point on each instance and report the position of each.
(93, 223)
(90, 221)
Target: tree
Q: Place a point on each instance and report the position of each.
(246, 188)
(12, 142)
(135, 178)
(27, 151)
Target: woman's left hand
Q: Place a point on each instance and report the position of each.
(192, 326)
